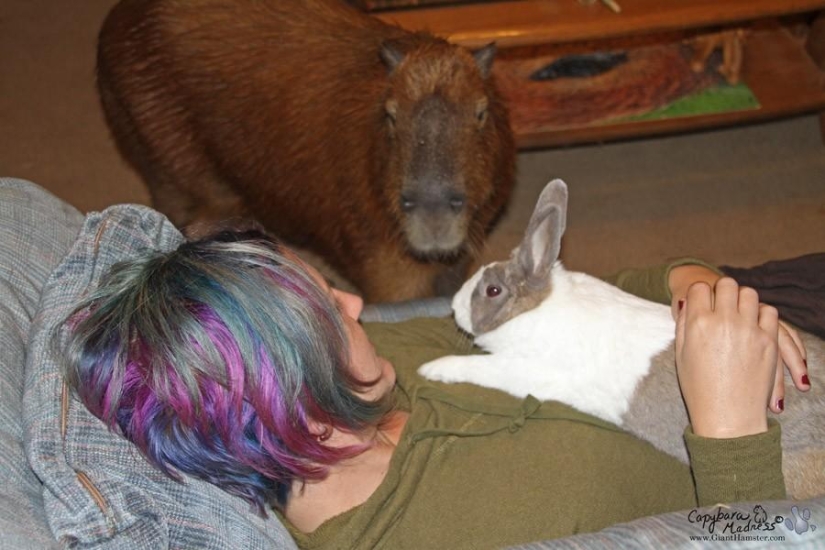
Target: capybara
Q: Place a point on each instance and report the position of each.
(387, 152)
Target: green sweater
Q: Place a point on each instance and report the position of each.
(476, 468)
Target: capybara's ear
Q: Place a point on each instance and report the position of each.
(204, 229)
(484, 58)
(391, 55)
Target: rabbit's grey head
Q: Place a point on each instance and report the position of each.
(501, 291)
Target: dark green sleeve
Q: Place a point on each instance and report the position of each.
(724, 470)
(736, 470)
(651, 283)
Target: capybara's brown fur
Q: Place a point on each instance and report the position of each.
(387, 152)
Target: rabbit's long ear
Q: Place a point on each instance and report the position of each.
(540, 247)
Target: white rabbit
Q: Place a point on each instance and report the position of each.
(569, 337)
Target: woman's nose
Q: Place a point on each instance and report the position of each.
(352, 304)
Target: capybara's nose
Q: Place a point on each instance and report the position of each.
(452, 200)
(457, 202)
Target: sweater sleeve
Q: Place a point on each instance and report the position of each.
(652, 283)
(739, 469)
(724, 470)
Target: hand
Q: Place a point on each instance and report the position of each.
(792, 356)
(726, 359)
(792, 353)
(681, 278)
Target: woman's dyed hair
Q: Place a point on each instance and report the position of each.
(212, 359)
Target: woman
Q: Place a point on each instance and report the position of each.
(231, 360)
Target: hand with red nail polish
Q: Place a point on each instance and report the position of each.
(793, 357)
(792, 354)
(726, 359)
(680, 279)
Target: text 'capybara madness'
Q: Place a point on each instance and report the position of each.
(387, 152)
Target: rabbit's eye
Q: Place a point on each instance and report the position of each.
(493, 291)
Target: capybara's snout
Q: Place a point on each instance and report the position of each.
(436, 218)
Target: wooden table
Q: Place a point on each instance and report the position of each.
(777, 66)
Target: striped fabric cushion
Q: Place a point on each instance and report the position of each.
(97, 487)
(396, 312)
(755, 525)
(36, 230)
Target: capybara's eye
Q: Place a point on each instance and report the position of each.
(481, 110)
(493, 291)
(457, 203)
(391, 111)
(407, 204)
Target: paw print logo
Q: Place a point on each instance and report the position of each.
(799, 522)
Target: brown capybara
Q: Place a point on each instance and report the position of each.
(389, 153)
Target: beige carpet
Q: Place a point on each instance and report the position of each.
(740, 196)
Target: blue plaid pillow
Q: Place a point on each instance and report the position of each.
(98, 489)
(36, 230)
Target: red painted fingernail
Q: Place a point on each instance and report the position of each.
(681, 304)
(780, 404)
(806, 380)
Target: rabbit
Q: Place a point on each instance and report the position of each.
(570, 337)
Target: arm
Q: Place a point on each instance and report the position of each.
(726, 358)
(739, 469)
(664, 283)
(669, 284)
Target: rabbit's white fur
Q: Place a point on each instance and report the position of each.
(546, 351)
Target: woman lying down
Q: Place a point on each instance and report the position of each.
(231, 360)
